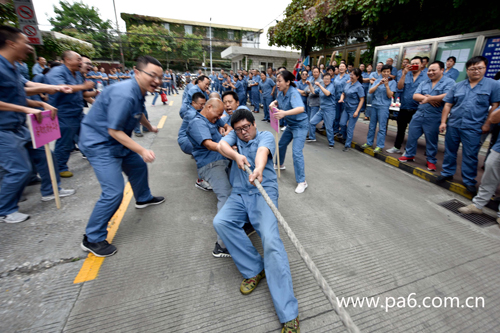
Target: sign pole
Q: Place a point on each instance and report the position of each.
(53, 178)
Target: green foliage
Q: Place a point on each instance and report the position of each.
(190, 48)
(53, 48)
(7, 14)
(153, 40)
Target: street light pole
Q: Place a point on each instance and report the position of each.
(211, 69)
(119, 35)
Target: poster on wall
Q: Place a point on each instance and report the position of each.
(419, 50)
(492, 53)
(383, 55)
(461, 50)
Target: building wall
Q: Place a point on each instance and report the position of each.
(254, 62)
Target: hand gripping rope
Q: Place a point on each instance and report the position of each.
(330, 295)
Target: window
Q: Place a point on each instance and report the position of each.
(230, 34)
(188, 29)
(208, 33)
(166, 26)
(250, 36)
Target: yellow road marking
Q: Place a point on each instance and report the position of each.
(392, 161)
(162, 122)
(92, 264)
(171, 103)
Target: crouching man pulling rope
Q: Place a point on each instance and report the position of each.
(256, 149)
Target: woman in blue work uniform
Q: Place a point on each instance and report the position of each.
(327, 110)
(266, 87)
(353, 99)
(289, 104)
(382, 91)
(302, 87)
(365, 82)
(239, 88)
(254, 93)
(339, 83)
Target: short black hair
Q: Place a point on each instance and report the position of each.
(452, 58)
(232, 93)
(356, 72)
(241, 114)
(201, 78)
(288, 77)
(327, 74)
(8, 33)
(350, 64)
(143, 61)
(282, 67)
(417, 58)
(426, 58)
(440, 64)
(476, 60)
(197, 96)
(389, 67)
(330, 67)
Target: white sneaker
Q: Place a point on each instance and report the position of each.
(281, 167)
(203, 185)
(301, 188)
(393, 150)
(283, 128)
(62, 193)
(15, 217)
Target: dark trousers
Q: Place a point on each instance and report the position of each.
(404, 118)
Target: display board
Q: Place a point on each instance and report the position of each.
(492, 53)
(418, 50)
(383, 55)
(461, 49)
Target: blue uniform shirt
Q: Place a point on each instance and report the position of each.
(23, 69)
(394, 71)
(199, 130)
(453, 73)
(398, 76)
(470, 106)
(37, 69)
(266, 87)
(425, 88)
(290, 101)
(353, 93)
(327, 102)
(188, 116)
(302, 86)
(11, 91)
(407, 101)
(240, 89)
(113, 78)
(366, 85)
(68, 105)
(375, 75)
(238, 177)
(339, 83)
(119, 107)
(380, 96)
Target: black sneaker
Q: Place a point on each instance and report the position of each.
(441, 179)
(100, 249)
(154, 201)
(472, 189)
(219, 252)
(35, 181)
(346, 149)
(139, 134)
(249, 230)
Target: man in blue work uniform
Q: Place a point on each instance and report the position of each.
(40, 65)
(200, 85)
(467, 104)
(16, 150)
(394, 70)
(256, 150)
(220, 78)
(105, 140)
(429, 94)
(70, 106)
(203, 132)
(407, 86)
(266, 88)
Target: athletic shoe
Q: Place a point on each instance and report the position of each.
(66, 174)
(310, 140)
(99, 249)
(393, 150)
(249, 285)
(203, 185)
(219, 252)
(283, 128)
(470, 209)
(377, 150)
(264, 120)
(406, 159)
(281, 167)
(249, 230)
(62, 193)
(15, 217)
(346, 149)
(365, 146)
(301, 187)
(291, 326)
(154, 201)
(36, 181)
(330, 147)
(471, 188)
(138, 134)
(431, 166)
(441, 179)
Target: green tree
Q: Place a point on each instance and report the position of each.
(7, 14)
(190, 48)
(152, 40)
(83, 22)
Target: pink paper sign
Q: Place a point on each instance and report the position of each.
(46, 131)
(275, 123)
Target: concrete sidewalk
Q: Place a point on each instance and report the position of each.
(372, 230)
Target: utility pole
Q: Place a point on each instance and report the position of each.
(119, 35)
(211, 69)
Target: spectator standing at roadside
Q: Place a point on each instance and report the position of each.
(339, 82)
(174, 82)
(40, 65)
(326, 111)
(353, 97)
(394, 70)
(451, 72)
(313, 101)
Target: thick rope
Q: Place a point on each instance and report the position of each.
(330, 295)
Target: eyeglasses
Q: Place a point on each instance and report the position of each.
(243, 128)
(475, 69)
(155, 77)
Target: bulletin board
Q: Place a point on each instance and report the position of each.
(383, 55)
(418, 50)
(462, 50)
(492, 53)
